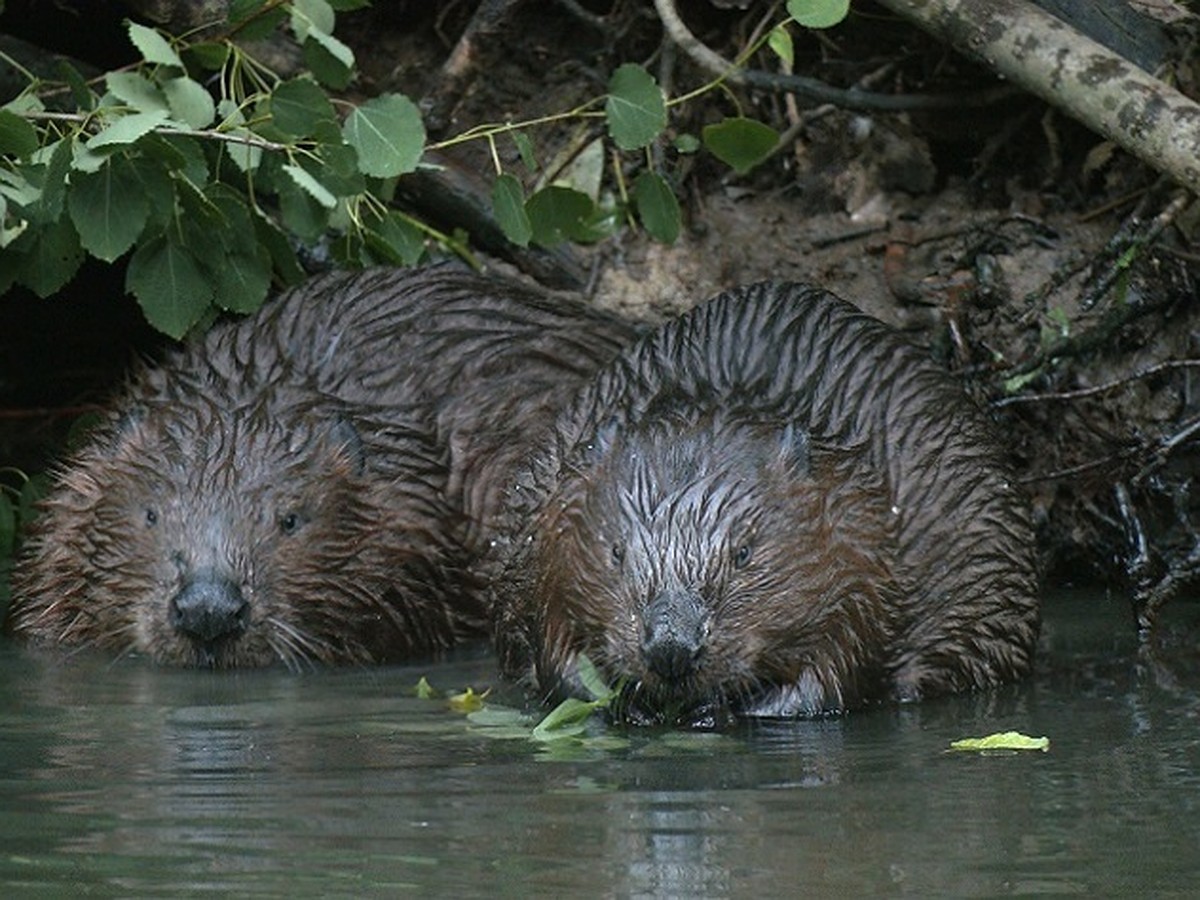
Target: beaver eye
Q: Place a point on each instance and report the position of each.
(290, 522)
(742, 557)
(151, 518)
(618, 553)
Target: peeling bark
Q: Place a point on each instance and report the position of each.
(1047, 57)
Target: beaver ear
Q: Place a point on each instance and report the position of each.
(795, 449)
(602, 441)
(345, 441)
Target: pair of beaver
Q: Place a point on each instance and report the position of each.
(770, 506)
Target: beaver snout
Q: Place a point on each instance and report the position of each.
(209, 607)
(674, 630)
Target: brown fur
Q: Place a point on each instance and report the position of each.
(883, 551)
(310, 484)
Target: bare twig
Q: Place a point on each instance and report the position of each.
(810, 88)
(1081, 393)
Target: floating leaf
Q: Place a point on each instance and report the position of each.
(636, 110)
(740, 142)
(657, 207)
(153, 46)
(388, 134)
(468, 701)
(508, 203)
(425, 690)
(818, 13)
(1004, 740)
(565, 720)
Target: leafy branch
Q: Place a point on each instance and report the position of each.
(212, 173)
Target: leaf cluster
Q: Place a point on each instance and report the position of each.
(211, 172)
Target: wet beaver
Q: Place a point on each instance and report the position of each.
(771, 506)
(311, 483)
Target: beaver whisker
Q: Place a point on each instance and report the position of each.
(292, 645)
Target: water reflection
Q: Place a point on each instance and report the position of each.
(130, 779)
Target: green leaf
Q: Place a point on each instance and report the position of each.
(395, 240)
(657, 207)
(818, 13)
(242, 282)
(558, 214)
(565, 720)
(330, 61)
(311, 186)
(312, 15)
(591, 679)
(299, 106)
(53, 258)
(54, 184)
(252, 23)
(635, 109)
(82, 94)
(388, 134)
(740, 142)
(687, 143)
(8, 527)
(190, 103)
(108, 209)
(154, 48)
(1004, 740)
(169, 286)
(302, 215)
(525, 149)
(209, 55)
(508, 203)
(272, 239)
(241, 10)
(127, 129)
(780, 40)
(136, 91)
(17, 136)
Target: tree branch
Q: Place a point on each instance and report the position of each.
(1082, 78)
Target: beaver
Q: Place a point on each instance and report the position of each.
(773, 505)
(310, 484)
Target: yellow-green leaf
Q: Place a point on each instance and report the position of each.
(1004, 740)
(468, 701)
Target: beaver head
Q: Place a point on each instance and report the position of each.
(202, 531)
(717, 566)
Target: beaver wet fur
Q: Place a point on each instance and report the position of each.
(310, 484)
(771, 506)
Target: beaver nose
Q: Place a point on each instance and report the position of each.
(674, 627)
(209, 607)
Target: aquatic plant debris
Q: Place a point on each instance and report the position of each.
(468, 701)
(1003, 740)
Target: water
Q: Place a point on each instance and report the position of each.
(129, 780)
